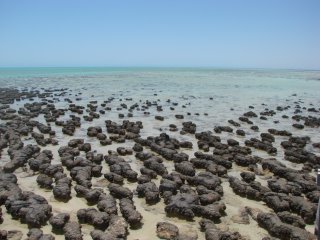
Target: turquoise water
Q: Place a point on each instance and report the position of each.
(186, 80)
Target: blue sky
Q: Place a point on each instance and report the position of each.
(226, 33)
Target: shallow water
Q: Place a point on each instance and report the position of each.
(191, 88)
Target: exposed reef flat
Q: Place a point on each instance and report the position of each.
(126, 167)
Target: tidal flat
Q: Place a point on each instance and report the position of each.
(159, 153)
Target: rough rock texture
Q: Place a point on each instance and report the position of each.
(129, 212)
(120, 192)
(58, 221)
(213, 233)
(72, 231)
(107, 203)
(62, 189)
(29, 207)
(99, 220)
(276, 228)
(150, 191)
(118, 227)
(167, 230)
(181, 205)
(101, 235)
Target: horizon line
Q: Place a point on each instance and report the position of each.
(167, 67)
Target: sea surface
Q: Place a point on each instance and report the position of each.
(206, 96)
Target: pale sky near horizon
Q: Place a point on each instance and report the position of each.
(170, 33)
